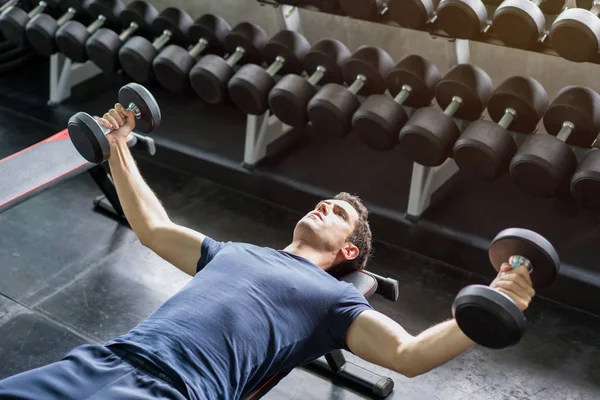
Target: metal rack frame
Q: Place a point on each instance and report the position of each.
(64, 74)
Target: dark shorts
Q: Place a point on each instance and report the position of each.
(91, 372)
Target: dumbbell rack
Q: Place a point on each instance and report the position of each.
(64, 74)
(263, 130)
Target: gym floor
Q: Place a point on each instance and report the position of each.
(71, 276)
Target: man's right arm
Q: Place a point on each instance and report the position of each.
(147, 217)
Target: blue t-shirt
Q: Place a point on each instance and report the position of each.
(249, 313)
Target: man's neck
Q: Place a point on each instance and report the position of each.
(321, 259)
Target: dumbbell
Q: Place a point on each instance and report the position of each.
(41, 29)
(290, 96)
(89, 137)
(485, 148)
(544, 164)
(14, 20)
(363, 9)
(71, 38)
(249, 87)
(462, 19)
(488, 316)
(430, 133)
(330, 110)
(209, 77)
(103, 46)
(137, 54)
(521, 23)
(575, 33)
(172, 66)
(585, 182)
(379, 119)
(412, 14)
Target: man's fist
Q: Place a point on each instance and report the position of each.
(516, 284)
(121, 120)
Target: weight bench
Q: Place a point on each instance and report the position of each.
(334, 365)
(42, 166)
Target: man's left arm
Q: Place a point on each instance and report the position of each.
(378, 339)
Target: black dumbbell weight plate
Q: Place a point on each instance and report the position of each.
(71, 38)
(150, 115)
(103, 49)
(422, 80)
(542, 166)
(573, 35)
(88, 138)
(554, 7)
(251, 38)
(171, 66)
(12, 25)
(40, 33)
(585, 183)
(328, 53)
(209, 78)
(135, 56)
(378, 121)
(526, 96)
(363, 9)
(462, 19)
(110, 9)
(484, 150)
(331, 109)
(428, 136)
(519, 23)
(142, 13)
(471, 84)
(292, 47)
(372, 62)
(411, 14)
(289, 98)
(213, 29)
(247, 89)
(531, 245)
(488, 317)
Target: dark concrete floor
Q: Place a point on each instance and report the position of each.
(72, 276)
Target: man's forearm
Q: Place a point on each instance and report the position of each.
(141, 206)
(435, 347)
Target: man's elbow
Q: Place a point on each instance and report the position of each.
(149, 235)
(409, 363)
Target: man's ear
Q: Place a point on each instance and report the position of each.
(350, 251)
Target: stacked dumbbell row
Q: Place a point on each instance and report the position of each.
(574, 34)
(430, 135)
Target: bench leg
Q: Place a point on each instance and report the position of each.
(347, 373)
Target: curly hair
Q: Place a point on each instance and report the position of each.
(361, 236)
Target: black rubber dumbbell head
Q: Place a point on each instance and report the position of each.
(519, 23)
(575, 35)
(249, 87)
(172, 66)
(429, 135)
(289, 98)
(137, 54)
(544, 164)
(412, 14)
(379, 119)
(13, 21)
(89, 138)
(72, 36)
(363, 9)
(462, 19)
(331, 109)
(485, 148)
(490, 317)
(41, 30)
(209, 77)
(103, 46)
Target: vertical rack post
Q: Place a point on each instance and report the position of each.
(64, 74)
(262, 130)
(425, 181)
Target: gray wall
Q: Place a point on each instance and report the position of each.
(499, 62)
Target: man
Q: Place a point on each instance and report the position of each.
(249, 312)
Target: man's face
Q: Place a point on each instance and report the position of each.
(327, 226)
